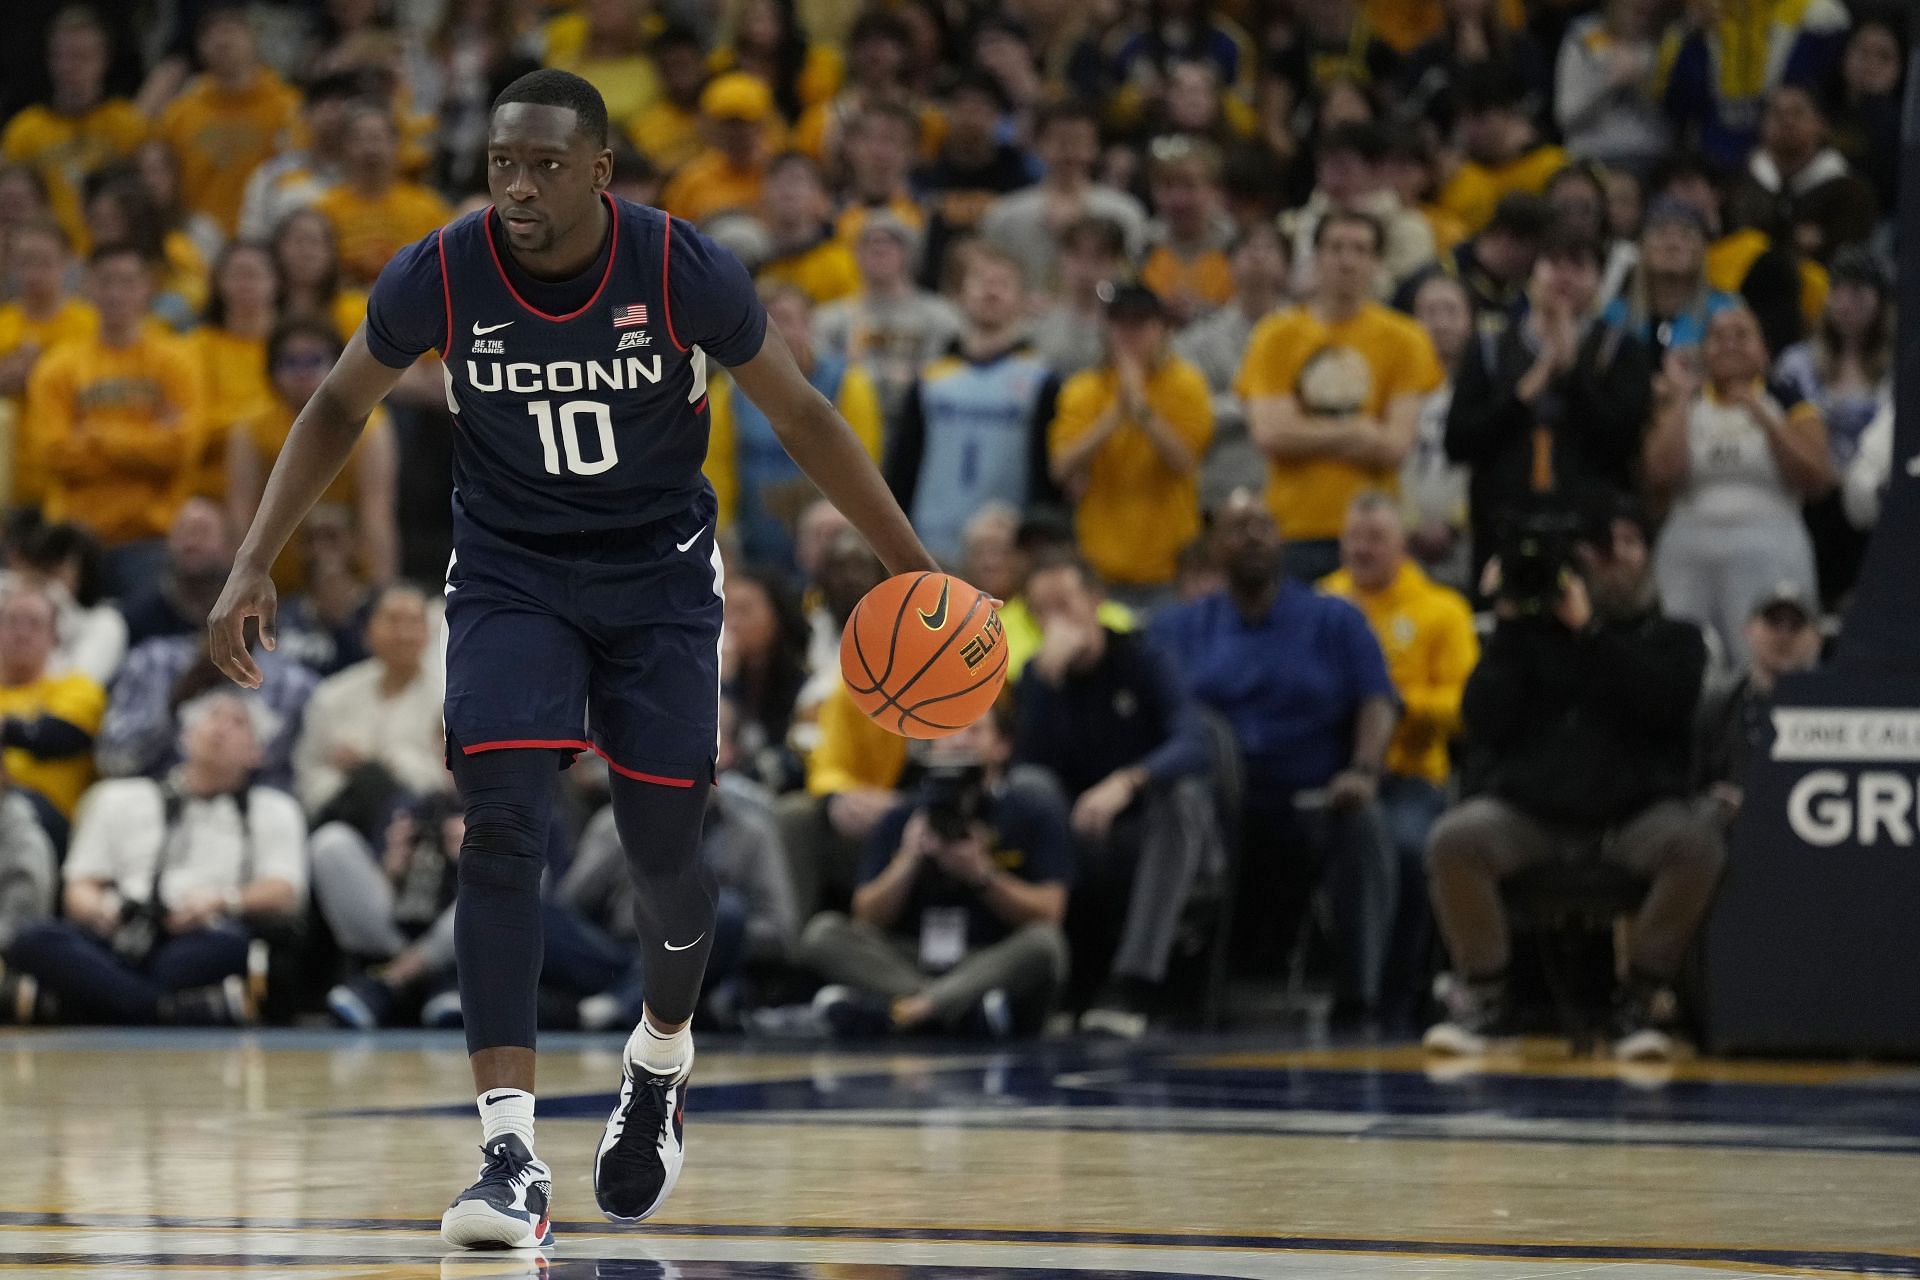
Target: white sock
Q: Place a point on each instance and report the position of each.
(506, 1111)
(661, 1055)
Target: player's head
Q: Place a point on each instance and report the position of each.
(547, 157)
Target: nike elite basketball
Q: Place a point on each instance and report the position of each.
(924, 654)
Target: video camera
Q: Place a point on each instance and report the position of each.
(1537, 558)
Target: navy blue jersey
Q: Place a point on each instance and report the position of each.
(594, 419)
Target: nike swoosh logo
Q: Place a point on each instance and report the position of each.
(696, 942)
(938, 618)
(682, 546)
(490, 1099)
(478, 331)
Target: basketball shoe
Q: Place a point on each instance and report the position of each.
(644, 1142)
(1476, 1017)
(507, 1207)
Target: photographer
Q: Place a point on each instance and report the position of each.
(956, 923)
(164, 880)
(1580, 715)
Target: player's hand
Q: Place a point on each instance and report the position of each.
(1100, 804)
(248, 594)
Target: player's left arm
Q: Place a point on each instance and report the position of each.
(819, 440)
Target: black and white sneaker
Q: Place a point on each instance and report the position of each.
(1476, 1017)
(507, 1207)
(643, 1144)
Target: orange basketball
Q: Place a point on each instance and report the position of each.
(924, 655)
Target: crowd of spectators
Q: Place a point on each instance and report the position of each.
(1411, 438)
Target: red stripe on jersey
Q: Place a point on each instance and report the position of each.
(613, 252)
(666, 287)
(575, 744)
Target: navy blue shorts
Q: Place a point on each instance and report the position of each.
(589, 642)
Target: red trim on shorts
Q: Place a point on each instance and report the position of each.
(702, 406)
(575, 744)
(613, 251)
(446, 289)
(666, 285)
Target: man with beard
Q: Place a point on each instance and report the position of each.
(1581, 718)
(199, 554)
(1300, 677)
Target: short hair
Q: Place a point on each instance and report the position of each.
(1065, 111)
(223, 11)
(52, 545)
(887, 109)
(878, 23)
(675, 35)
(78, 17)
(264, 720)
(980, 250)
(1356, 138)
(45, 227)
(1051, 558)
(549, 87)
(1258, 228)
(1173, 150)
(796, 160)
(1373, 502)
(1106, 235)
(1351, 217)
(103, 253)
(772, 291)
(296, 327)
(1522, 216)
(1563, 244)
(980, 85)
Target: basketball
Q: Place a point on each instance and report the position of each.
(924, 654)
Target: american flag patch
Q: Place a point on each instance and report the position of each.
(628, 317)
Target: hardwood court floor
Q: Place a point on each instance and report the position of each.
(304, 1154)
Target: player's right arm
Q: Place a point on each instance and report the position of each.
(405, 318)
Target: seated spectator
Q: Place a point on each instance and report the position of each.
(730, 174)
(1504, 152)
(1215, 343)
(1066, 139)
(804, 254)
(592, 944)
(1433, 487)
(1333, 391)
(44, 314)
(763, 665)
(667, 130)
(1000, 547)
(375, 210)
(1496, 263)
(28, 874)
(972, 168)
(1797, 187)
(392, 918)
(1734, 726)
(372, 733)
(176, 600)
(1093, 259)
(975, 426)
(63, 560)
(1557, 401)
(1104, 713)
(1125, 446)
(1666, 301)
(141, 731)
(1845, 370)
(881, 144)
(117, 423)
(1728, 60)
(324, 627)
(891, 327)
(1426, 632)
(1581, 721)
(1737, 457)
(1186, 258)
(956, 923)
(1865, 107)
(1300, 678)
(762, 491)
(79, 128)
(1350, 172)
(299, 352)
(47, 720)
(168, 881)
(1606, 86)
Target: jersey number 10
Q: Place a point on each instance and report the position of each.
(571, 411)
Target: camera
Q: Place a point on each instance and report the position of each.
(1537, 558)
(141, 926)
(955, 794)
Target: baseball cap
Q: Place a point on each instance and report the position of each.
(1786, 594)
(1133, 302)
(737, 96)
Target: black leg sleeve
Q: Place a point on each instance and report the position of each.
(674, 889)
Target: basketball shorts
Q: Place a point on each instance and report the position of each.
(603, 642)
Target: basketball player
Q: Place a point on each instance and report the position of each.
(583, 597)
